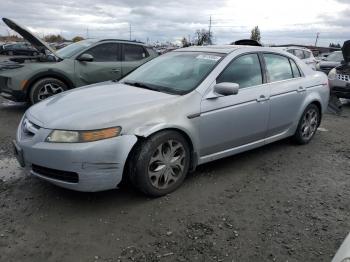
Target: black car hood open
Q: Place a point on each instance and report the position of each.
(40, 45)
(346, 51)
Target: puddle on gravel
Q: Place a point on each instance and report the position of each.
(10, 169)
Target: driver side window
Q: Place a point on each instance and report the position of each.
(104, 52)
(244, 70)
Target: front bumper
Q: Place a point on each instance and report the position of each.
(340, 88)
(8, 93)
(89, 167)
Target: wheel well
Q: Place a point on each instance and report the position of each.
(318, 104)
(32, 81)
(140, 139)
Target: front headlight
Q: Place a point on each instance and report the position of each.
(318, 66)
(65, 136)
(332, 74)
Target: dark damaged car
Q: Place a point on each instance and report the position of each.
(86, 62)
(339, 77)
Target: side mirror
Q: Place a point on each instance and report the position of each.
(226, 89)
(85, 58)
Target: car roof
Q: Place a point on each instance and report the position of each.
(119, 40)
(223, 49)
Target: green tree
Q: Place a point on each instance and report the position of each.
(54, 38)
(184, 42)
(335, 45)
(255, 34)
(77, 38)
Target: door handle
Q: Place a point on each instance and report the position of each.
(301, 89)
(262, 98)
(115, 70)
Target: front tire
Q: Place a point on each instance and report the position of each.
(308, 125)
(45, 88)
(160, 164)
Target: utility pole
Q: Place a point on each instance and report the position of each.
(317, 36)
(209, 31)
(87, 33)
(130, 31)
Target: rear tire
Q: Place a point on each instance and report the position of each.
(160, 164)
(45, 88)
(308, 125)
(10, 53)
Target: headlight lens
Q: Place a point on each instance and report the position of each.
(318, 66)
(332, 74)
(64, 136)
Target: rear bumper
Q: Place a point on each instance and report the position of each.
(89, 167)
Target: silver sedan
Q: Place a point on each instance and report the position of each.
(180, 110)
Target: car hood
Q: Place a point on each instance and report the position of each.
(96, 106)
(40, 45)
(329, 64)
(343, 70)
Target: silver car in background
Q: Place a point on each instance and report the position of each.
(302, 53)
(180, 110)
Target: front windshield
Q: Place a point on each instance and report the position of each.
(335, 57)
(175, 72)
(72, 49)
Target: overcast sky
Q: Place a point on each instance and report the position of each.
(280, 21)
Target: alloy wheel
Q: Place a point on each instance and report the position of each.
(309, 124)
(167, 164)
(48, 90)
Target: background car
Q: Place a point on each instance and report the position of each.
(18, 49)
(82, 63)
(331, 61)
(182, 109)
(339, 77)
(304, 54)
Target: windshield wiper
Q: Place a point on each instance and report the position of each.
(141, 85)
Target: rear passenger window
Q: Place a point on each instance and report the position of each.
(299, 53)
(134, 52)
(278, 67)
(245, 71)
(295, 69)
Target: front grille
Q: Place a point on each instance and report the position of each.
(345, 78)
(65, 176)
(29, 128)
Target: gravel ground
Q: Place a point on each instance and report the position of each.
(281, 202)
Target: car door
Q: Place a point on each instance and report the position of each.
(287, 92)
(105, 66)
(232, 121)
(133, 56)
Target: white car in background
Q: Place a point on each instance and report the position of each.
(302, 53)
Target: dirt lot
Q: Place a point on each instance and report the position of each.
(278, 203)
